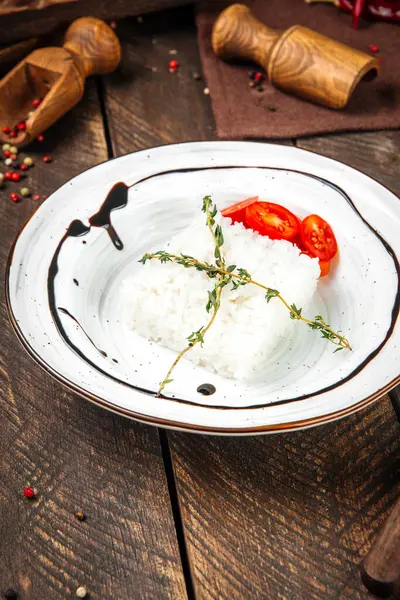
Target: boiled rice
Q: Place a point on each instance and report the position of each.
(166, 302)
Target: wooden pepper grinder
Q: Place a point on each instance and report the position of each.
(298, 61)
(57, 76)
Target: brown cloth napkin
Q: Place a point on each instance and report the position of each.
(242, 112)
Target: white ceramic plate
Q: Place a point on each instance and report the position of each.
(67, 265)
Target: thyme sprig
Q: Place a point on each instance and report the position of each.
(237, 277)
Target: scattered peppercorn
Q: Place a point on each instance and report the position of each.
(173, 65)
(80, 515)
(139, 19)
(6, 130)
(196, 76)
(23, 167)
(8, 162)
(37, 102)
(28, 491)
(16, 177)
(258, 76)
(81, 592)
(6, 147)
(8, 176)
(36, 197)
(11, 594)
(28, 161)
(374, 48)
(272, 108)
(47, 159)
(14, 149)
(7, 153)
(31, 113)
(21, 126)
(13, 156)
(15, 198)
(113, 24)
(206, 91)
(252, 84)
(25, 192)
(13, 133)
(40, 138)
(173, 52)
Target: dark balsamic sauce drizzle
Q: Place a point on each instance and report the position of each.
(118, 198)
(207, 389)
(66, 312)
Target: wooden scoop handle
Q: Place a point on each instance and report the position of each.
(238, 34)
(380, 569)
(94, 45)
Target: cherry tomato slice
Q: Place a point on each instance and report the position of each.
(237, 211)
(318, 238)
(273, 220)
(325, 267)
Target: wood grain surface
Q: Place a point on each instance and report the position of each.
(285, 517)
(76, 455)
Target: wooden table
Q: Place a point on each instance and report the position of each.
(174, 515)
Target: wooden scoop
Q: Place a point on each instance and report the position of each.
(298, 61)
(57, 76)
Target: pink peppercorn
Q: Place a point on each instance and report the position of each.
(14, 197)
(28, 491)
(374, 48)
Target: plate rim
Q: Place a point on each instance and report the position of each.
(168, 423)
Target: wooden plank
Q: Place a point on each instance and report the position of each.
(146, 105)
(374, 153)
(76, 455)
(16, 19)
(287, 516)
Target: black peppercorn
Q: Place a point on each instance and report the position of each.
(10, 594)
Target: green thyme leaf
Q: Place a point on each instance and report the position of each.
(271, 293)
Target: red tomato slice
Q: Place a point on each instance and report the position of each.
(325, 267)
(273, 220)
(318, 238)
(237, 211)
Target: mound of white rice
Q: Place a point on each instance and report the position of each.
(166, 302)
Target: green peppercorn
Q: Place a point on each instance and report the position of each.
(28, 161)
(25, 192)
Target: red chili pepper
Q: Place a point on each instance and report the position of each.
(28, 491)
(6, 130)
(15, 198)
